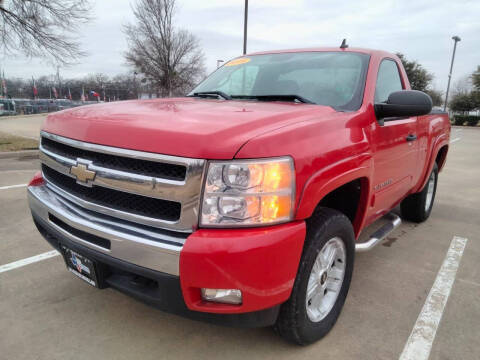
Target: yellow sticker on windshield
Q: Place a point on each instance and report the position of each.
(237, 62)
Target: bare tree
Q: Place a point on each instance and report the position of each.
(43, 28)
(171, 59)
(463, 85)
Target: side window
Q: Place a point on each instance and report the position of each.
(388, 80)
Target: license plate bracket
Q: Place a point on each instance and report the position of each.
(80, 265)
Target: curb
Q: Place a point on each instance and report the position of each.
(19, 154)
(23, 115)
(465, 127)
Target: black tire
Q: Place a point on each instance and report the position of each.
(414, 207)
(293, 322)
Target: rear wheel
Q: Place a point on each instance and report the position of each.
(322, 281)
(417, 207)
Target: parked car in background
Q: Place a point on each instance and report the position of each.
(52, 105)
(91, 102)
(44, 105)
(24, 106)
(7, 107)
(40, 106)
(76, 103)
(63, 104)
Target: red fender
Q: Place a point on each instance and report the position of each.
(332, 177)
(440, 142)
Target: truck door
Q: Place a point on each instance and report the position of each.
(395, 146)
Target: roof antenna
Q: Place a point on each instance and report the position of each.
(344, 44)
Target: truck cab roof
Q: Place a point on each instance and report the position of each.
(371, 52)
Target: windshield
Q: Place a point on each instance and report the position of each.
(333, 79)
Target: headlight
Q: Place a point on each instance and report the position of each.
(248, 192)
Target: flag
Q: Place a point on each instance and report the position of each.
(54, 90)
(95, 94)
(69, 94)
(35, 90)
(82, 97)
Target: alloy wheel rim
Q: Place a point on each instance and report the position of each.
(431, 187)
(326, 279)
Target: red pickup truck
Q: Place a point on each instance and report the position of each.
(243, 202)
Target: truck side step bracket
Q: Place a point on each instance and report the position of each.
(393, 222)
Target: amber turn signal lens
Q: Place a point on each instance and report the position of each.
(275, 207)
(277, 176)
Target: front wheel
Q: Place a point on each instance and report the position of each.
(322, 281)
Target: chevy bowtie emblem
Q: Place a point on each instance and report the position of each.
(83, 175)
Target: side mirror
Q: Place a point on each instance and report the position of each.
(404, 103)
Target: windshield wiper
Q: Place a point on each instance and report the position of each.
(212, 93)
(275, 97)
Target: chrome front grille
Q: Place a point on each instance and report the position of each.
(129, 164)
(122, 201)
(154, 190)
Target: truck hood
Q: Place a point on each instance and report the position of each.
(189, 127)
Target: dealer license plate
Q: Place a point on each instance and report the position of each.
(80, 265)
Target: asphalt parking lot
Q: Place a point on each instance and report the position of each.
(48, 313)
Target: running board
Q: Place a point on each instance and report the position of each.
(393, 222)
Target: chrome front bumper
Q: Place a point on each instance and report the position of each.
(134, 244)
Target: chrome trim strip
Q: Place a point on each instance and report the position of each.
(107, 210)
(120, 151)
(128, 246)
(186, 192)
(155, 236)
(118, 180)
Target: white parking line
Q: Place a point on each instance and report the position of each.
(419, 344)
(12, 186)
(30, 260)
(454, 140)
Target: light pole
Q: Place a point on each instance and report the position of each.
(455, 39)
(59, 82)
(245, 20)
(219, 62)
(135, 85)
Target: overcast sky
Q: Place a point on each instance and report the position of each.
(421, 29)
